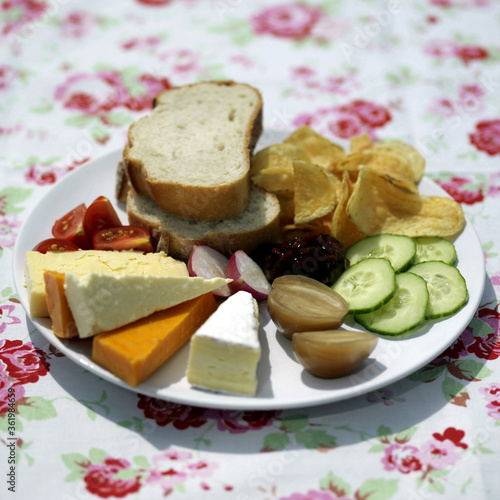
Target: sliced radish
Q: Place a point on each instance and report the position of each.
(206, 262)
(247, 275)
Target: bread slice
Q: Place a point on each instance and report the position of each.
(192, 153)
(259, 223)
(122, 185)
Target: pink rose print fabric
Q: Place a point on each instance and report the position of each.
(315, 495)
(22, 12)
(22, 362)
(100, 479)
(49, 174)
(441, 451)
(486, 137)
(9, 226)
(77, 24)
(237, 422)
(491, 394)
(467, 54)
(401, 458)
(105, 91)
(295, 21)
(344, 122)
(106, 476)
(7, 387)
(164, 413)
(457, 188)
(484, 347)
(92, 94)
(183, 417)
(8, 317)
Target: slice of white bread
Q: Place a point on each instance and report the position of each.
(192, 153)
(259, 223)
(122, 184)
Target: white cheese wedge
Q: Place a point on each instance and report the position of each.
(84, 261)
(103, 301)
(225, 351)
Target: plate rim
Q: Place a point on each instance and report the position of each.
(204, 398)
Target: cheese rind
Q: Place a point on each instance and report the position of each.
(225, 351)
(103, 301)
(83, 261)
(133, 352)
(63, 323)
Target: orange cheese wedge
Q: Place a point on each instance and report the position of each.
(134, 351)
(63, 323)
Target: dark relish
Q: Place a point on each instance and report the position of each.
(318, 256)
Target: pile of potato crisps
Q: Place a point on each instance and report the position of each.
(372, 189)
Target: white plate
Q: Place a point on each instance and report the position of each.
(282, 382)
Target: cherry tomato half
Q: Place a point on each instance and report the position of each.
(123, 238)
(70, 227)
(100, 215)
(55, 245)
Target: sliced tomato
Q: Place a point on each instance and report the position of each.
(55, 245)
(100, 215)
(123, 238)
(70, 227)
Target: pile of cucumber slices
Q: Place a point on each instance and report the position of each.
(395, 283)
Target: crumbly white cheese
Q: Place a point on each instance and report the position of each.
(84, 261)
(225, 351)
(103, 301)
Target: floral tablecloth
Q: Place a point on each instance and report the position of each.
(74, 74)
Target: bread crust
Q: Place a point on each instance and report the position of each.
(122, 184)
(180, 246)
(224, 201)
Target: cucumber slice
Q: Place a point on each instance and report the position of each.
(447, 288)
(435, 248)
(404, 312)
(398, 249)
(367, 285)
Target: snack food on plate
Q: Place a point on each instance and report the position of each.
(279, 156)
(384, 163)
(375, 189)
(390, 294)
(315, 192)
(187, 177)
(257, 224)
(300, 179)
(225, 351)
(382, 204)
(102, 301)
(342, 228)
(192, 153)
(122, 184)
(332, 353)
(405, 153)
(82, 262)
(63, 323)
(321, 150)
(134, 351)
(299, 304)
(318, 256)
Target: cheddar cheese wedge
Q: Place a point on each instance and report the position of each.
(133, 352)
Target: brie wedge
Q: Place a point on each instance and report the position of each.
(225, 351)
